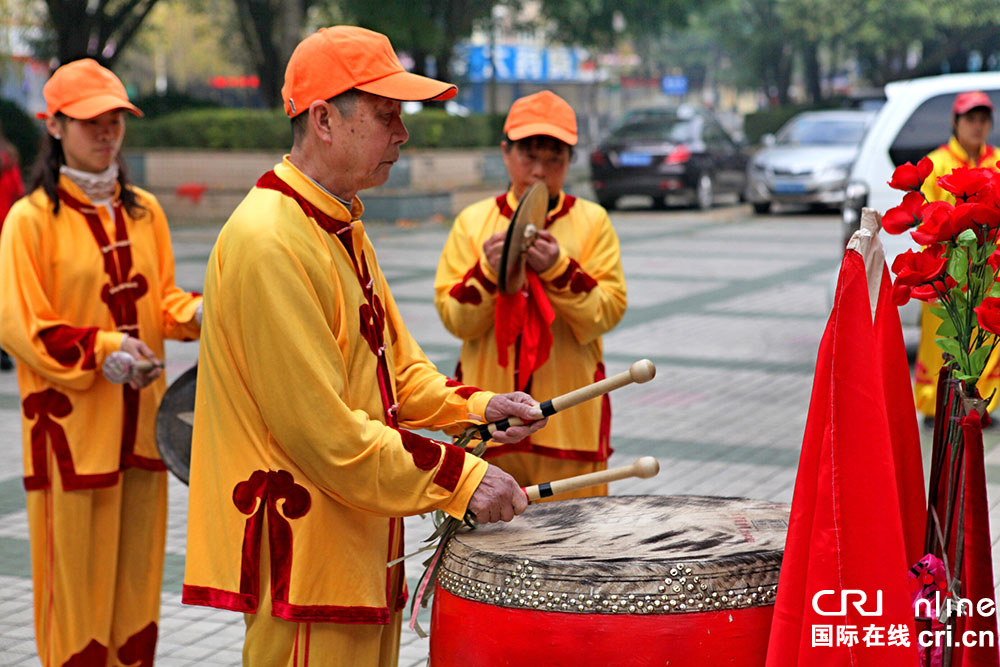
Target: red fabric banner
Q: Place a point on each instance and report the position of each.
(845, 537)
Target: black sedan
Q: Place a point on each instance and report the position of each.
(673, 157)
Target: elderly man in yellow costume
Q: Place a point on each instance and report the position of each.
(300, 465)
(972, 120)
(545, 339)
(86, 289)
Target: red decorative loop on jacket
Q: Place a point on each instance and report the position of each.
(425, 452)
(45, 405)
(269, 487)
(93, 654)
(140, 649)
(68, 345)
(579, 281)
(372, 324)
(463, 292)
(462, 390)
(505, 209)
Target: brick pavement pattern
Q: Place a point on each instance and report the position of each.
(729, 306)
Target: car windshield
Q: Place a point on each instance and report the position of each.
(667, 129)
(822, 131)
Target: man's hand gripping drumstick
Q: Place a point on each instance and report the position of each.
(640, 372)
(510, 419)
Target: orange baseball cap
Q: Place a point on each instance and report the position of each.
(965, 102)
(333, 60)
(83, 89)
(542, 113)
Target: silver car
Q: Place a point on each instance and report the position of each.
(808, 161)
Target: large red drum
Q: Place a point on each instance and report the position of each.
(684, 581)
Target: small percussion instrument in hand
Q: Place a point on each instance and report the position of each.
(685, 581)
(524, 224)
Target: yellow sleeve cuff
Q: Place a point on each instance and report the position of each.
(557, 269)
(487, 270)
(472, 474)
(107, 342)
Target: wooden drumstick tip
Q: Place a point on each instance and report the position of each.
(646, 467)
(642, 371)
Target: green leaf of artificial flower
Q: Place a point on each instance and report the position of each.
(967, 238)
(958, 265)
(977, 360)
(950, 346)
(941, 312)
(947, 327)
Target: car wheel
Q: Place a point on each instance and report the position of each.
(704, 195)
(762, 207)
(607, 202)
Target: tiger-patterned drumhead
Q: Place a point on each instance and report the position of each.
(624, 554)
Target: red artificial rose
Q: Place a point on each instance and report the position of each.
(929, 292)
(901, 294)
(901, 218)
(936, 224)
(988, 314)
(994, 259)
(965, 182)
(972, 213)
(910, 177)
(917, 268)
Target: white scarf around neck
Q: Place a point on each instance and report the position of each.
(99, 187)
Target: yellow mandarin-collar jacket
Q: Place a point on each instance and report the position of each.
(586, 287)
(63, 308)
(949, 157)
(305, 366)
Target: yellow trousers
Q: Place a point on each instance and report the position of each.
(529, 468)
(929, 365)
(97, 569)
(274, 642)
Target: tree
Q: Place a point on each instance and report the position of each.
(600, 24)
(271, 30)
(98, 30)
(423, 30)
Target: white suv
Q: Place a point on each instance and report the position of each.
(915, 120)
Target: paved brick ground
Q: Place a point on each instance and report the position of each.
(729, 306)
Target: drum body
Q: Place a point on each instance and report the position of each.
(622, 580)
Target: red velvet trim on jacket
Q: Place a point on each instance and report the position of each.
(68, 345)
(214, 597)
(44, 407)
(120, 294)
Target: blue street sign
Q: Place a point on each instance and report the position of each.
(674, 84)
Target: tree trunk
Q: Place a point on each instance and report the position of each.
(814, 84)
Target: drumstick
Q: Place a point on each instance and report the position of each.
(644, 468)
(145, 365)
(639, 372)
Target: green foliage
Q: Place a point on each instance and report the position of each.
(21, 130)
(245, 129)
(433, 128)
(154, 106)
(253, 129)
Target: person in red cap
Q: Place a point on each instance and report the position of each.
(303, 459)
(87, 289)
(972, 121)
(546, 338)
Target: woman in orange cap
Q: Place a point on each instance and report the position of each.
(971, 123)
(545, 339)
(87, 289)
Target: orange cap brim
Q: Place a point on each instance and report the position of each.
(95, 106)
(533, 129)
(408, 87)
